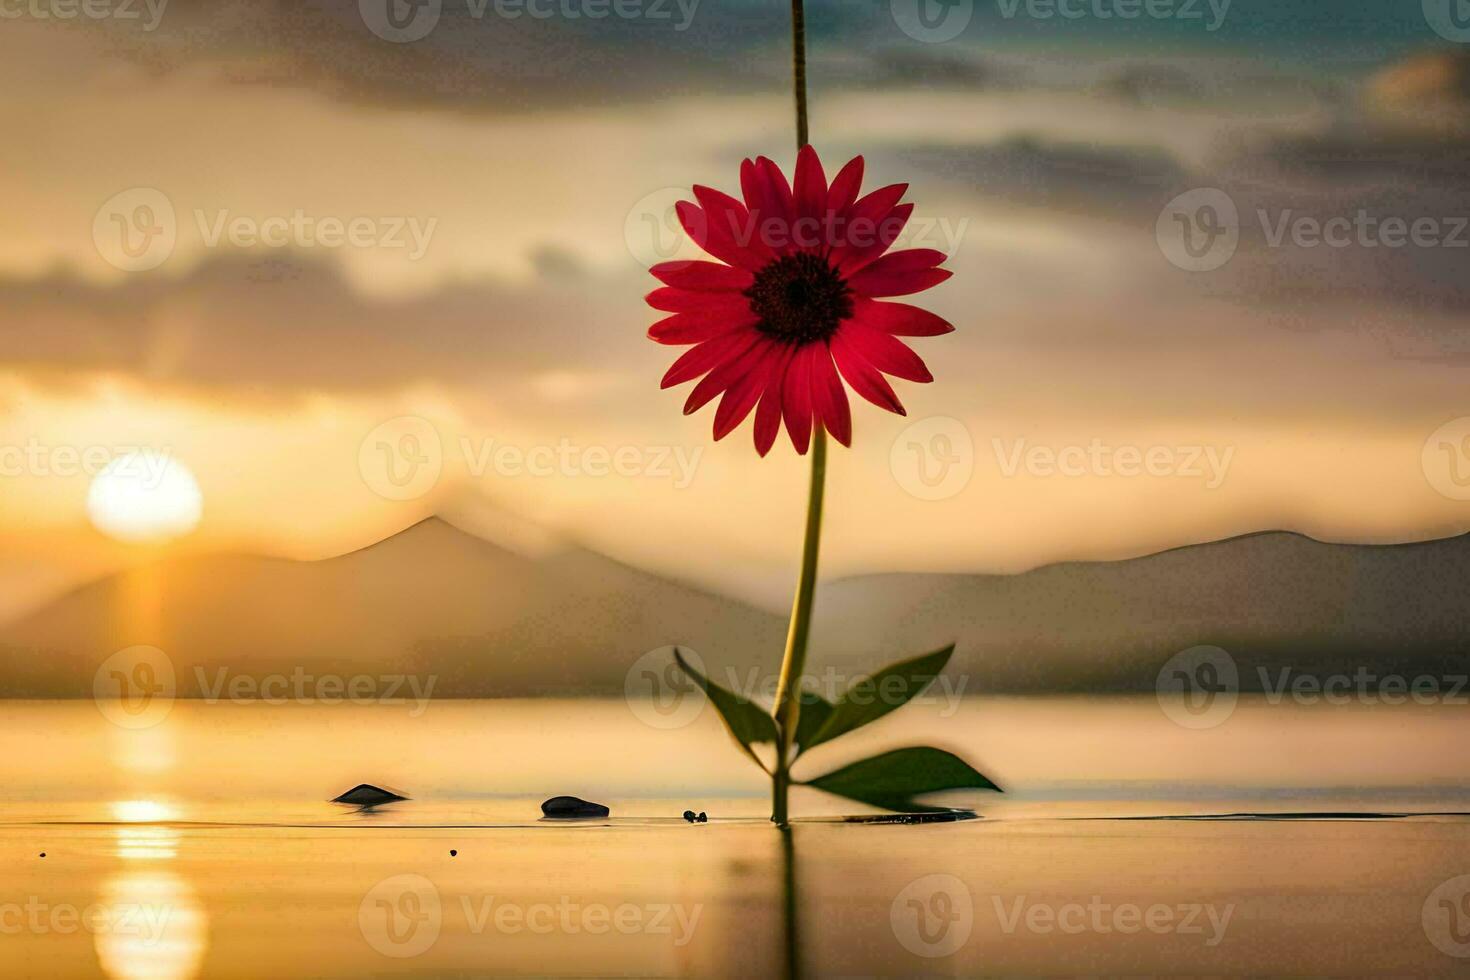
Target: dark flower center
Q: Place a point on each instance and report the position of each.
(799, 299)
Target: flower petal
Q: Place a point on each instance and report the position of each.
(811, 186)
(768, 414)
(705, 357)
(829, 398)
(726, 374)
(883, 235)
(675, 300)
(900, 273)
(796, 398)
(694, 328)
(702, 276)
(707, 235)
(845, 186)
(731, 219)
(885, 352)
(741, 396)
(858, 227)
(899, 319)
(775, 229)
(865, 379)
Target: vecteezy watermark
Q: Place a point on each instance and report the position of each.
(1446, 917)
(653, 232)
(405, 21)
(1200, 230)
(933, 458)
(142, 466)
(1363, 686)
(404, 916)
(1098, 459)
(661, 694)
(139, 922)
(404, 457)
(300, 230)
(933, 916)
(1446, 459)
(135, 687)
(1199, 687)
(932, 21)
(1209, 13)
(148, 12)
(300, 687)
(138, 229)
(1104, 918)
(1450, 19)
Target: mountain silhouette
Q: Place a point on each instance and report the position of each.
(486, 621)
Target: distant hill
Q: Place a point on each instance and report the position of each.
(1271, 599)
(428, 600)
(488, 621)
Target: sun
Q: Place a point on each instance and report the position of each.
(145, 497)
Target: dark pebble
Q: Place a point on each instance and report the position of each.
(364, 794)
(689, 815)
(703, 817)
(571, 807)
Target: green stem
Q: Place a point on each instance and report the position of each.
(798, 68)
(788, 688)
(788, 701)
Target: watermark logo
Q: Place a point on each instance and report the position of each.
(652, 230)
(932, 21)
(1106, 918)
(1446, 459)
(658, 691)
(300, 687)
(1446, 917)
(1450, 19)
(404, 21)
(400, 21)
(402, 459)
(933, 458)
(1183, 11)
(1199, 687)
(124, 10)
(138, 922)
(401, 917)
(933, 916)
(135, 688)
(136, 230)
(1209, 464)
(1199, 230)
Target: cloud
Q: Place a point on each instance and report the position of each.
(286, 321)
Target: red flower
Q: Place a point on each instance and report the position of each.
(793, 302)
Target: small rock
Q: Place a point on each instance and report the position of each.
(703, 817)
(689, 815)
(364, 795)
(569, 807)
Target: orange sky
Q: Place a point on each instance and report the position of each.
(1312, 378)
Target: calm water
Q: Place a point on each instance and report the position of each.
(202, 846)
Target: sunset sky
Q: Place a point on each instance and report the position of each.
(516, 175)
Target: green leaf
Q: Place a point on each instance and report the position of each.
(815, 710)
(870, 698)
(893, 779)
(747, 723)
